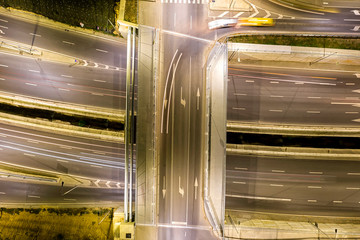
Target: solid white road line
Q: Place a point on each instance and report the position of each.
(259, 198)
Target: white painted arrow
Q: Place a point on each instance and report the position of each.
(164, 187)
(356, 12)
(198, 99)
(181, 190)
(268, 14)
(357, 75)
(356, 28)
(97, 183)
(183, 102)
(108, 184)
(196, 184)
(256, 11)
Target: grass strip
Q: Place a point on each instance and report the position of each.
(82, 121)
(293, 141)
(55, 223)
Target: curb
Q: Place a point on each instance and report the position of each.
(295, 152)
(295, 130)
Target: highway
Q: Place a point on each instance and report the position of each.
(297, 186)
(184, 41)
(261, 94)
(99, 163)
(61, 82)
(53, 37)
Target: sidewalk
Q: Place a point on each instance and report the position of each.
(250, 225)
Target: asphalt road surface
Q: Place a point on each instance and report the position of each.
(99, 162)
(261, 94)
(295, 186)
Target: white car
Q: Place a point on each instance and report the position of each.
(223, 23)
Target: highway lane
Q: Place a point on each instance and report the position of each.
(293, 186)
(51, 37)
(61, 82)
(97, 160)
(20, 193)
(284, 95)
(100, 162)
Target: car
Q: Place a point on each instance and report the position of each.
(223, 23)
(256, 22)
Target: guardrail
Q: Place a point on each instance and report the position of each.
(20, 48)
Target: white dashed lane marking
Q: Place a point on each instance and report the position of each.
(70, 43)
(34, 34)
(67, 76)
(100, 50)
